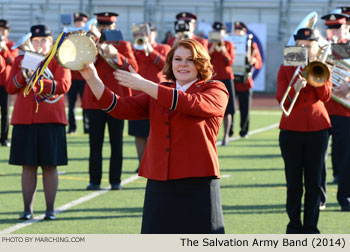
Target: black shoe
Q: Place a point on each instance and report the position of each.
(5, 143)
(93, 187)
(49, 216)
(116, 186)
(225, 141)
(322, 206)
(345, 208)
(335, 180)
(230, 133)
(26, 216)
(71, 132)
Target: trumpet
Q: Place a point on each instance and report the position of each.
(140, 41)
(141, 33)
(316, 73)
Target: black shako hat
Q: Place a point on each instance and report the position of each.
(240, 25)
(106, 18)
(345, 10)
(4, 24)
(40, 31)
(79, 16)
(305, 34)
(186, 16)
(334, 20)
(218, 26)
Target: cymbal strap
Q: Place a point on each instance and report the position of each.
(42, 66)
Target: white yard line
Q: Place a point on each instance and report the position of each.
(103, 191)
(253, 132)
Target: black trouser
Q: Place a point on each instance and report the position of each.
(343, 194)
(4, 115)
(76, 88)
(244, 100)
(341, 156)
(303, 154)
(231, 105)
(98, 120)
(324, 175)
(340, 142)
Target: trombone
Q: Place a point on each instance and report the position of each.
(316, 73)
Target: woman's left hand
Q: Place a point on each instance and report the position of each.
(130, 79)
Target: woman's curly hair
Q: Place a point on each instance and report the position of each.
(201, 60)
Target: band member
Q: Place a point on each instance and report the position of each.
(9, 55)
(336, 30)
(180, 161)
(222, 55)
(303, 140)
(243, 86)
(3, 73)
(109, 57)
(78, 84)
(150, 58)
(185, 25)
(39, 138)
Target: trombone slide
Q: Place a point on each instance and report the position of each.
(284, 98)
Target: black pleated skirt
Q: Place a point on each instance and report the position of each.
(39, 144)
(183, 206)
(231, 107)
(139, 128)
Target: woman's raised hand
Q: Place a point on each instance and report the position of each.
(88, 72)
(130, 79)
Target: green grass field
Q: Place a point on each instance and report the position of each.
(252, 188)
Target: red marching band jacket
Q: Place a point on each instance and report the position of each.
(151, 66)
(9, 56)
(203, 41)
(223, 62)
(240, 86)
(125, 59)
(309, 112)
(25, 107)
(335, 108)
(184, 127)
(3, 72)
